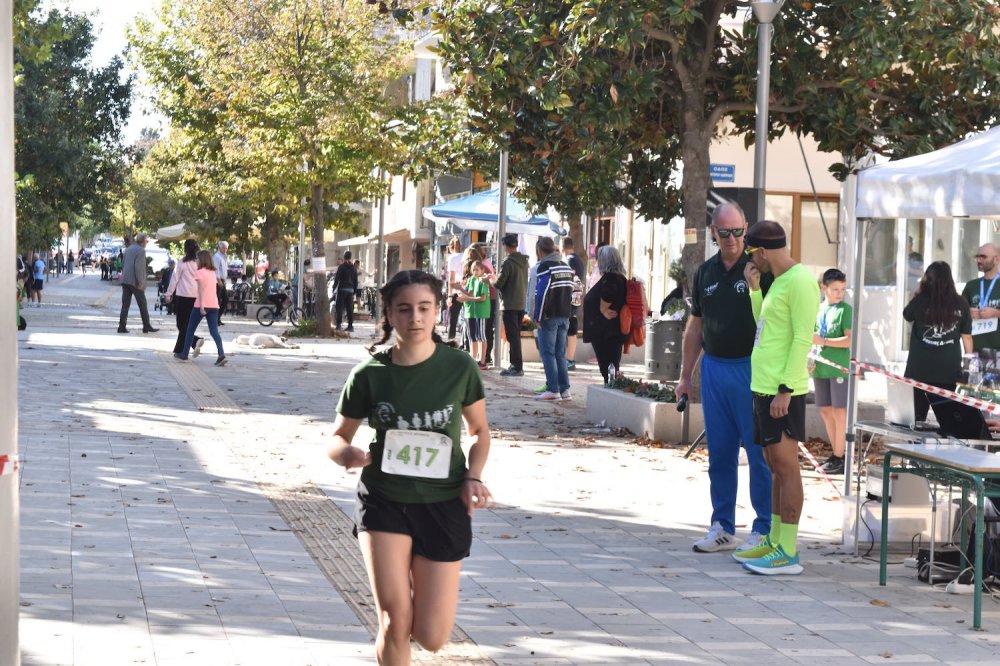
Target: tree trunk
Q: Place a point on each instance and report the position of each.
(277, 247)
(322, 299)
(579, 243)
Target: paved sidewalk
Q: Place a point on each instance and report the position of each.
(180, 513)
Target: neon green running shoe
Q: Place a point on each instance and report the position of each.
(758, 545)
(775, 563)
(542, 389)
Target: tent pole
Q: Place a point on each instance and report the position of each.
(860, 242)
(501, 232)
(380, 252)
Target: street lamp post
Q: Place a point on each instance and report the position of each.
(764, 11)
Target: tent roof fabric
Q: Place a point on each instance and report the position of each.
(960, 180)
(480, 212)
(171, 233)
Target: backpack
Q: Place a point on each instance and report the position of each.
(632, 318)
(576, 300)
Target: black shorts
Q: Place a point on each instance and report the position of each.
(441, 531)
(573, 325)
(767, 430)
(37, 284)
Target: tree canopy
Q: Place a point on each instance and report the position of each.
(69, 117)
(603, 102)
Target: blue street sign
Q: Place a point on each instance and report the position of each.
(722, 173)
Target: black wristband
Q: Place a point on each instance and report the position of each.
(782, 388)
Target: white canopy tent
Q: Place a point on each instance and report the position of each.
(960, 180)
(171, 233)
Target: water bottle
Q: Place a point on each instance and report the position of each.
(975, 375)
(612, 374)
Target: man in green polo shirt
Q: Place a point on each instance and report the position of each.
(780, 382)
(721, 324)
(983, 296)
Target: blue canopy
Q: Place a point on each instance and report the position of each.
(479, 212)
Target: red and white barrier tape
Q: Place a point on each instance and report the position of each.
(9, 464)
(819, 468)
(992, 408)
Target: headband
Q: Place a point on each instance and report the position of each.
(765, 243)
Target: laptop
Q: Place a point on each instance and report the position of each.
(958, 420)
(899, 409)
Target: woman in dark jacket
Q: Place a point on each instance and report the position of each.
(601, 306)
(942, 329)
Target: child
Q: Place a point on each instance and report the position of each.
(206, 305)
(415, 496)
(477, 311)
(833, 335)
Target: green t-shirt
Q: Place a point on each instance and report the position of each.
(972, 292)
(477, 309)
(785, 322)
(833, 321)
(427, 396)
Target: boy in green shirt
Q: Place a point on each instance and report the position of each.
(477, 311)
(833, 336)
(779, 379)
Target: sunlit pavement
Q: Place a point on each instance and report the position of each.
(179, 513)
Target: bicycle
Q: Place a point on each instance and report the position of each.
(268, 314)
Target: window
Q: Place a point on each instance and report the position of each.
(880, 254)
(812, 230)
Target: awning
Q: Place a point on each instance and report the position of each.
(171, 233)
(479, 212)
(960, 180)
(357, 240)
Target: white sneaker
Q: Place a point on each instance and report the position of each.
(717, 539)
(548, 395)
(197, 346)
(565, 396)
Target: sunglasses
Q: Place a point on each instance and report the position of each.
(750, 250)
(726, 233)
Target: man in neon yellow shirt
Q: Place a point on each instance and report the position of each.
(779, 380)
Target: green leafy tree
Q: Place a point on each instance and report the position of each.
(69, 118)
(293, 91)
(603, 102)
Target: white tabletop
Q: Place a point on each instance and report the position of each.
(958, 456)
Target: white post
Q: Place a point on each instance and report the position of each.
(9, 542)
(380, 253)
(764, 11)
(501, 232)
(300, 268)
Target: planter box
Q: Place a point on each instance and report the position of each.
(584, 351)
(659, 420)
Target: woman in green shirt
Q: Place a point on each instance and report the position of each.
(416, 495)
(833, 335)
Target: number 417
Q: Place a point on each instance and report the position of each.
(404, 455)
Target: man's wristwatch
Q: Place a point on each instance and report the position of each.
(782, 388)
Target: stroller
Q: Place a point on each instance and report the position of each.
(161, 299)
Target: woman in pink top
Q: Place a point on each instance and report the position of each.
(206, 305)
(181, 292)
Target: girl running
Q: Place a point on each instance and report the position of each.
(416, 495)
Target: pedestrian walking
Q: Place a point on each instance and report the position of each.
(601, 307)
(512, 286)
(37, 281)
(60, 263)
(220, 264)
(181, 293)
(134, 284)
(417, 491)
(785, 318)
(206, 306)
(721, 325)
(70, 258)
(345, 284)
